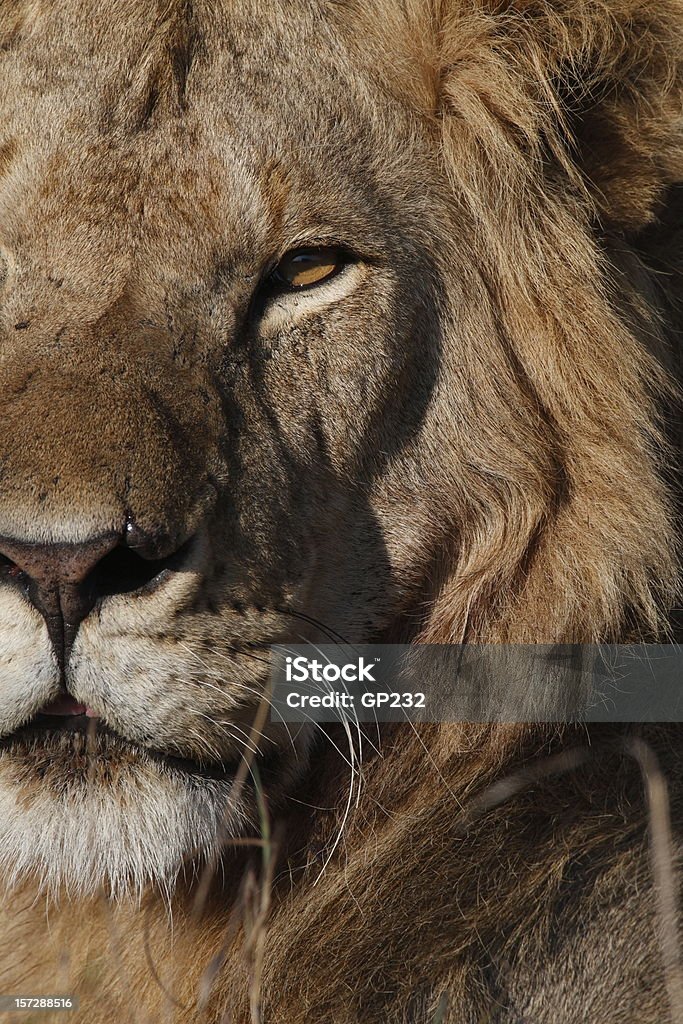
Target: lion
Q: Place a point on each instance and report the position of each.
(331, 320)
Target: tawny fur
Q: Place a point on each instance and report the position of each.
(471, 436)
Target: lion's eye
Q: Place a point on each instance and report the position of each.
(302, 268)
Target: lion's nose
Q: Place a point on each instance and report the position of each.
(64, 581)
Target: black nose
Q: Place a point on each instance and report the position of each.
(64, 581)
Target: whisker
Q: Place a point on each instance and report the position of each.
(328, 630)
(226, 728)
(243, 686)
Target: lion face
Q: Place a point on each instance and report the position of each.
(201, 456)
(305, 333)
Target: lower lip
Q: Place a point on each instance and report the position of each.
(58, 721)
(46, 728)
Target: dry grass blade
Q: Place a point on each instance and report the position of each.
(663, 871)
(245, 768)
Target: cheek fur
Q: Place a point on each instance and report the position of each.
(28, 668)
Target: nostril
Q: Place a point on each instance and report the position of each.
(124, 571)
(11, 570)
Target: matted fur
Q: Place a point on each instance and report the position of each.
(470, 435)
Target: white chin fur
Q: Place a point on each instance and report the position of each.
(118, 840)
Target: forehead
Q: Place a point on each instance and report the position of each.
(172, 126)
(115, 69)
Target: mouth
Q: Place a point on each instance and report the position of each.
(65, 715)
(65, 724)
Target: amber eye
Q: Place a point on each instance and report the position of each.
(302, 268)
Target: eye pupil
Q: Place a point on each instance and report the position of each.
(302, 268)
